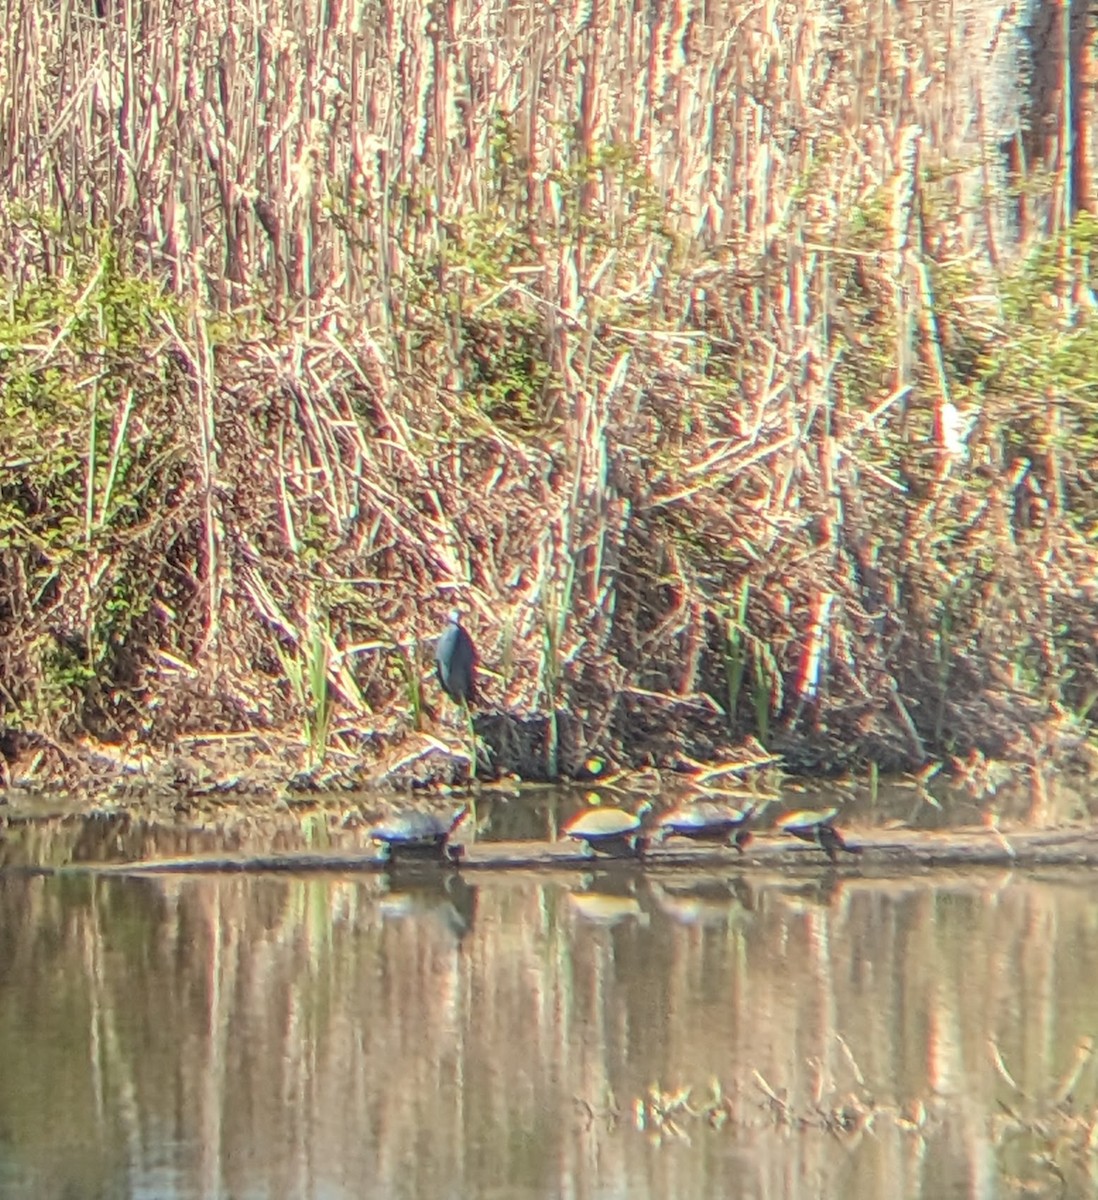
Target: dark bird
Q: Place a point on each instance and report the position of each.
(456, 661)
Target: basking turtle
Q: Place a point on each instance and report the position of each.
(610, 831)
(818, 828)
(707, 821)
(415, 834)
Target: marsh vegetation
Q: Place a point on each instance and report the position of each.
(704, 356)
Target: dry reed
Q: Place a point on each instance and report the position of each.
(585, 316)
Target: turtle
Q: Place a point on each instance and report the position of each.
(707, 821)
(611, 831)
(419, 834)
(818, 828)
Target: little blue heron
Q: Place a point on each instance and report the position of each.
(456, 661)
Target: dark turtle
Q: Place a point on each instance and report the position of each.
(818, 828)
(419, 835)
(607, 831)
(707, 821)
(456, 661)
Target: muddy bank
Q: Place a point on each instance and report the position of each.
(205, 774)
(272, 765)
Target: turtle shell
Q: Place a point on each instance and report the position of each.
(805, 820)
(703, 819)
(416, 829)
(602, 824)
(817, 827)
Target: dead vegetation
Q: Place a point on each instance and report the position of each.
(725, 405)
(1039, 1142)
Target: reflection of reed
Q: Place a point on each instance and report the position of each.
(296, 1036)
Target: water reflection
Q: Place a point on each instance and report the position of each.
(593, 1034)
(442, 896)
(607, 899)
(701, 900)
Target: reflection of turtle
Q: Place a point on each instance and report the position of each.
(706, 901)
(440, 896)
(419, 835)
(816, 827)
(707, 821)
(606, 908)
(610, 831)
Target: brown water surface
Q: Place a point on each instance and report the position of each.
(600, 1034)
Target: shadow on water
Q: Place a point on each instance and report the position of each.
(417, 1033)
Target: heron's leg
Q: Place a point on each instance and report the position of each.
(471, 736)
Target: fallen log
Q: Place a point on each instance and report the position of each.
(892, 849)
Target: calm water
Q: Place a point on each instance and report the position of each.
(825, 1034)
